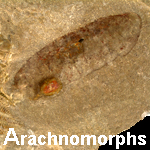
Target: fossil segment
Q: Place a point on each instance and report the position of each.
(6, 119)
(5, 46)
(78, 53)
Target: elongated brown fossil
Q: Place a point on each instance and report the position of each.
(78, 53)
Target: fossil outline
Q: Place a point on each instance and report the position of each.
(63, 57)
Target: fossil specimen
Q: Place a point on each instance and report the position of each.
(78, 53)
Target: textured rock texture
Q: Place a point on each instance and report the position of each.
(107, 101)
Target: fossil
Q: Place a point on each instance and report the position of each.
(78, 53)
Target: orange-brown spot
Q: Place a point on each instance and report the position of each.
(51, 86)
